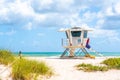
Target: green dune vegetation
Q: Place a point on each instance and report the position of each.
(90, 67)
(6, 57)
(24, 69)
(111, 63)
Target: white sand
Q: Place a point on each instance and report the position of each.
(64, 70)
(5, 73)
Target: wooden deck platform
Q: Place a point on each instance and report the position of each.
(73, 46)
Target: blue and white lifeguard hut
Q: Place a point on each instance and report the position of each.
(76, 38)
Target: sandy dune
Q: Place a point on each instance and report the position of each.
(64, 70)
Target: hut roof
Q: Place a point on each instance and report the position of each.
(75, 29)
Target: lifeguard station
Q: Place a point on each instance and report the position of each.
(76, 40)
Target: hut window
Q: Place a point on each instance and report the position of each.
(85, 34)
(76, 33)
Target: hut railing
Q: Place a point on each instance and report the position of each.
(65, 42)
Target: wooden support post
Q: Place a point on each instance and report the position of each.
(72, 50)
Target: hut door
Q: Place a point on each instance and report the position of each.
(76, 39)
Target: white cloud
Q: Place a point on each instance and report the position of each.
(109, 11)
(9, 33)
(45, 3)
(28, 26)
(39, 5)
(106, 35)
(43, 6)
(99, 23)
(112, 8)
(64, 4)
(52, 13)
(23, 12)
(72, 20)
(89, 16)
(21, 8)
(15, 12)
(109, 15)
(117, 7)
(39, 18)
(111, 22)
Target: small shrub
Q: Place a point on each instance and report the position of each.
(90, 68)
(6, 57)
(25, 69)
(113, 63)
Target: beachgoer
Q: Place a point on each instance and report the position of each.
(20, 54)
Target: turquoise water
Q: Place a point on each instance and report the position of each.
(49, 54)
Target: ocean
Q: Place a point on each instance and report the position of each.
(50, 54)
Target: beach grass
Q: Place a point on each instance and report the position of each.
(25, 69)
(112, 63)
(6, 57)
(91, 68)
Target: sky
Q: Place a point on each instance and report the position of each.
(32, 25)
